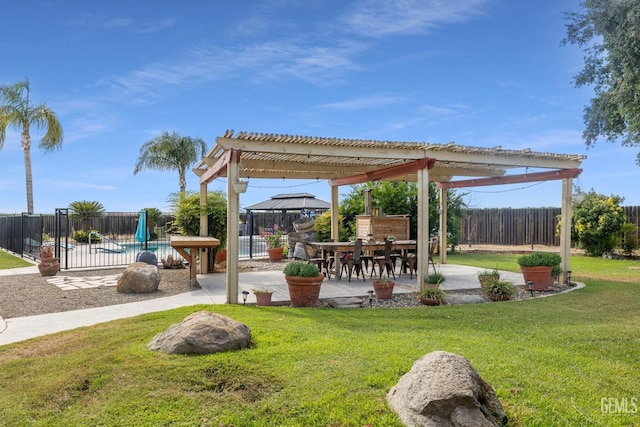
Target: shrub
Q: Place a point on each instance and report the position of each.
(301, 269)
(499, 289)
(187, 215)
(434, 278)
(82, 236)
(432, 293)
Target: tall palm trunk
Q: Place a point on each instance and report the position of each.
(26, 146)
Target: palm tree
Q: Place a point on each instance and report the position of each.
(16, 110)
(85, 210)
(171, 151)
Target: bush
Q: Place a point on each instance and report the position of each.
(499, 289)
(301, 269)
(187, 215)
(82, 236)
(432, 293)
(597, 222)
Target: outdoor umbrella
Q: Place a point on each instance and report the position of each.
(142, 232)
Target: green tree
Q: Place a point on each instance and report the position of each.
(170, 151)
(607, 30)
(597, 223)
(17, 111)
(186, 210)
(401, 198)
(85, 210)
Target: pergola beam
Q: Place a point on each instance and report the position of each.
(385, 173)
(513, 179)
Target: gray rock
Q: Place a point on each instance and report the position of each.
(443, 389)
(202, 332)
(147, 257)
(139, 278)
(465, 299)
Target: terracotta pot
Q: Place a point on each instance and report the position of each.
(540, 276)
(275, 254)
(383, 290)
(304, 291)
(430, 301)
(221, 256)
(49, 266)
(263, 298)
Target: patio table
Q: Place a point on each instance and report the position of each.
(367, 246)
(193, 244)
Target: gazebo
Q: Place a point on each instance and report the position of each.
(292, 203)
(354, 161)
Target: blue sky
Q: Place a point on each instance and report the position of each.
(477, 72)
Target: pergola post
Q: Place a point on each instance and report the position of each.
(335, 219)
(422, 243)
(204, 227)
(565, 230)
(233, 230)
(442, 211)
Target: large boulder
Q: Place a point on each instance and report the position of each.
(443, 389)
(202, 332)
(139, 278)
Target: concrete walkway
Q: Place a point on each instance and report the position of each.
(213, 291)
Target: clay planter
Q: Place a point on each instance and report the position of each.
(275, 254)
(49, 266)
(263, 298)
(304, 291)
(540, 276)
(430, 301)
(221, 256)
(383, 290)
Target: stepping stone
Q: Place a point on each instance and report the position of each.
(465, 299)
(351, 302)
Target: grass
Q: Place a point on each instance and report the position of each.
(9, 261)
(552, 361)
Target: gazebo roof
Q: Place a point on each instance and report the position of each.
(290, 202)
(338, 159)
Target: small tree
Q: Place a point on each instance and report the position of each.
(85, 210)
(322, 227)
(629, 238)
(187, 214)
(597, 223)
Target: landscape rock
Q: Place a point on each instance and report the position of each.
(139, 278)
(147, 257)
(202, 332)
(443, 389)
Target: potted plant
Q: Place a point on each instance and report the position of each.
(432, 296)
(540, 268)
(383, 288)
(433, 280)
(48, 266)
(499, 290)
(304, 281)
(263, 296)
(485, 276)
(274, 243)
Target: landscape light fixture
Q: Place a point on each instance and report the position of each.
(244, 297)
(530, 286)
(370, 299)
(568, 277)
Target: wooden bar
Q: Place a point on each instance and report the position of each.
(193, 244)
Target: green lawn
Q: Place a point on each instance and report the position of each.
(552, 361)
(9, 261)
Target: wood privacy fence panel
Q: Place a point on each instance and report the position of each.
(527, 226)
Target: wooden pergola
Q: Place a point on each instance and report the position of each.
(354, 161)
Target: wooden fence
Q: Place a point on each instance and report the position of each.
(528, 226)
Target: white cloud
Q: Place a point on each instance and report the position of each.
(372, 101)
(377, 18)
